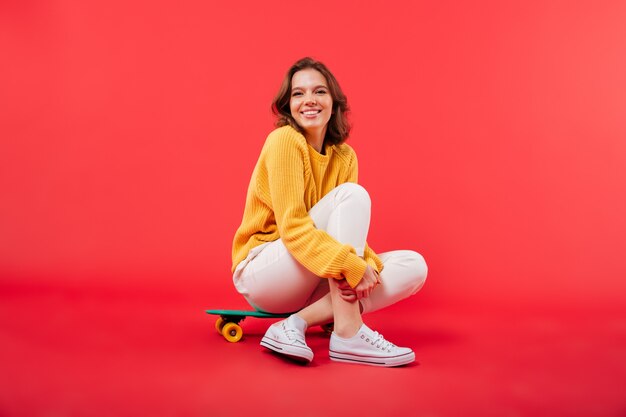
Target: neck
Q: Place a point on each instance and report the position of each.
(316, 139)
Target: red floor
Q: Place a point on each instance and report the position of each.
(85, 352)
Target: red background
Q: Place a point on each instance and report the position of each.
(491, 137)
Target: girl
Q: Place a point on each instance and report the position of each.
(301, 246)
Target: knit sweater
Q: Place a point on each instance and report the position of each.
(290, 177)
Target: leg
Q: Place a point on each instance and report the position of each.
(346, 217)
(345, 214)
(403, 275)
(272, 280)
(331, 307)
(346, 314)
(319, 312)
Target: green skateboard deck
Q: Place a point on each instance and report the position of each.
(227, 324)
(242, 314)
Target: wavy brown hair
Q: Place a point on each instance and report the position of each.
(339, 127)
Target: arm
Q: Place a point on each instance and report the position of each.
(369, 255)
(315, 249)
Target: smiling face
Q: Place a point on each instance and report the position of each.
(311, 104)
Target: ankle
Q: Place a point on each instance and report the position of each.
(347, 330)
(300, 323)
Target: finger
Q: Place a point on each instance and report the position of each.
(347, 290)
(348, 293)
(344, 285)
(350, 297)
(345, 297)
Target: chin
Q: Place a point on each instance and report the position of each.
(314, 124)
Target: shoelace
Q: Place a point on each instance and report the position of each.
(294, 335)
(380, 342)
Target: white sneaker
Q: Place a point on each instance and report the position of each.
(287, 337)
(370, 348)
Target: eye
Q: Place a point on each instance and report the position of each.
(321, 91)
(296, 93)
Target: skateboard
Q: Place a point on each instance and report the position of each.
(227, 324)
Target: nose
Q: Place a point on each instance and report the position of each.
(310, 99)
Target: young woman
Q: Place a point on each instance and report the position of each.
(301, 246)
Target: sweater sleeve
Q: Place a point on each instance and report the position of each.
(315, 249)
(369, 255)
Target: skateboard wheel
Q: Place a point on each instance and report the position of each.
(219, 324)
(328, 328)
(232, 332)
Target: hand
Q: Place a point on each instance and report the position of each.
(346, 291)
(370, 280)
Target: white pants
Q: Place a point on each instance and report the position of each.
(272, 280)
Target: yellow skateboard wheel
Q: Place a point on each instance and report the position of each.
(328, 328)
(219, 324)
(232, 332)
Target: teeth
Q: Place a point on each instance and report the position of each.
(311, 112)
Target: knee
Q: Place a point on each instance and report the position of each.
(355, 191)
(418, 270)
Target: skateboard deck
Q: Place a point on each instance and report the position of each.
(227, 324)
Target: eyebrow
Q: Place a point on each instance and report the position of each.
(317, 86)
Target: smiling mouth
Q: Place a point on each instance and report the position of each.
(311, 112)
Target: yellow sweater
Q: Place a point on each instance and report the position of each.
(289, 178)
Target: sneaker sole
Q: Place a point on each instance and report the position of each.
(297, 354)
(400, 360)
